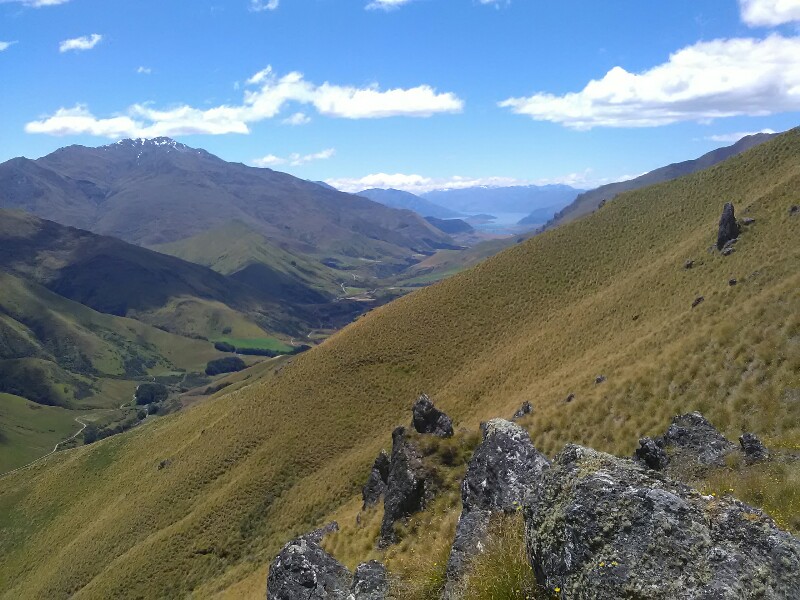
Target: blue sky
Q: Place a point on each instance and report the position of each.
(406, 93)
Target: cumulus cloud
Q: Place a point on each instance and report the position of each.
(144, 70)
(420, 184)
(705, 81)
(735, 137)
(294, 160)
(261, 5)
(386, 4)
(264, 98)
(769, 13)
(6, 45)
(86, 42)
(297, 118)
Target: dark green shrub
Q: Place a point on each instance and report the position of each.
(229, 364)
(148, 393)
(224, 347)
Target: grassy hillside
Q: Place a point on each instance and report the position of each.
(604, 295)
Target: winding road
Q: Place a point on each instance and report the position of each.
(54, 450)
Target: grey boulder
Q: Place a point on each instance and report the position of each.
(426, 418)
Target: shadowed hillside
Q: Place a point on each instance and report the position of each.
(606, 295)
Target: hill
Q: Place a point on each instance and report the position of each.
(201, 502)
(409, 201)
(451, 226)
(158, 191)
(513, 199)
(589, 201)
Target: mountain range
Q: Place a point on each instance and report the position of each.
(409, 201)
(512, 199)
(607, 327)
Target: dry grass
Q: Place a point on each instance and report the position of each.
(605, 295)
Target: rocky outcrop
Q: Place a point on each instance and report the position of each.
(598, 526)
(408, 488)
(692, 441)
(370, 582)
(525, 409)
(429, 419)
(752, 448)
(375, 487)
(651, 455)
(304, 570)
(728, 227)
(697, 301)
(502, 469)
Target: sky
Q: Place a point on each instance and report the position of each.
(412, 94)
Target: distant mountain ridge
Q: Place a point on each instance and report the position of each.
(589, 201)
(407, 200)
(512, 199)
(159, 191)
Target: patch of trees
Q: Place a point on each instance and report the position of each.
(229, 364)
(226, 347)
(148, 393)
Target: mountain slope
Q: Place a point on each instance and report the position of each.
(589, 201)
(409, 201)
(159, 191)
(604, 295)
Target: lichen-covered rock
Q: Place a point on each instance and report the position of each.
(525, 409)
(407, 487)
(650, 454)
(317, 535)
(370, 581)
(728, 227)
(304, 570)
(375, 487)
(501, 471)
(692, 441)
(598, 526)
(429, 419)
(752, 448)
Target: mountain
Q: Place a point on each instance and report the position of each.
(539, 216)
(592, 323)
(114, 277)
(409, 201)
(450, 226)
(158, 191)
(513, 199)
(589, 201)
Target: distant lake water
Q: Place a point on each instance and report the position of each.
(504, 223)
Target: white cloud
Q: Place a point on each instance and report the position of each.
(705, 81)
(297, 118)
(6, 45)
(420, 184)
(769, 13)
(386, 4)
(144, 70)
(294, 159)
(735, 137)
(265, 100)
(36, 3)
(261, 5)
(86, 42)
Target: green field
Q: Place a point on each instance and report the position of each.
(29, 430)
(267, 343)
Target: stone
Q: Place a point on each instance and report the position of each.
(598, 526)
(697, 301)
(303, 569)
(375, 487)
(748, 221)
(408, 488)
(794, 210)
(370, 582)
(570, 397)
(727, 250)
(525, 409)
(501, 471)
(752, 448)
(429, 419)
(317, 535)
(650, 454)
(599, 379)
(688, 264)
(728, 227)
(732, 282)
(691, 441)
